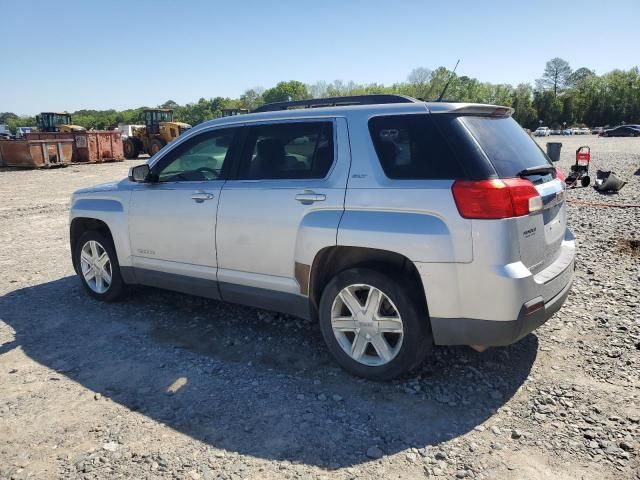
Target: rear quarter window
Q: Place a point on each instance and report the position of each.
(509, 148)
(410, 147)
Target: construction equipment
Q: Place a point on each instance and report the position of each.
(580, 170)
(159, 130)
(56, 122)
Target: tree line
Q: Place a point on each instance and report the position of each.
(561, 96)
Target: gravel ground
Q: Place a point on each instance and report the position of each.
(164, 385)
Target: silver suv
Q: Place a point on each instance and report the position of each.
(397, 224)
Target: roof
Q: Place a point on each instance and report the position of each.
(411, 106)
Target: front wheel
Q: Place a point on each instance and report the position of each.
(97, 266)
(155, 146)
(373, 323)
(131, 150)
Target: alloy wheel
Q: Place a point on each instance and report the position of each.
(367, 325)
(96, 266)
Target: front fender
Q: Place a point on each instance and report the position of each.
(111, 211)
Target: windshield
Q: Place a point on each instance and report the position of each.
(153, 117)
(165, 116)
(509, 148)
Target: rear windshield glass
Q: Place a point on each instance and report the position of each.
(509, 148)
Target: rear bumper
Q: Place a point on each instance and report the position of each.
(492, 333)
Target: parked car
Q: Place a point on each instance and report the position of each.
(597, 130)
(542, 132)
(567, 131)
(556, 132)
(621, 131)
(395, 223)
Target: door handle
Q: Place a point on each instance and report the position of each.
(200, 197)
(308, 197)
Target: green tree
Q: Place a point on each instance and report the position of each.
(284, 91)
(548, 107)
(521, 101)
(252, 98)
(557, 73)
(420, 79)
(579, 76)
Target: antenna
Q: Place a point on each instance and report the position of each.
(453, 72)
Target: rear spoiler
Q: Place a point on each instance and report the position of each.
(474, 109)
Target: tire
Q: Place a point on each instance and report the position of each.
(131, 149)
(404, 351)
(155, 146)
(102, 244)
(585, 181)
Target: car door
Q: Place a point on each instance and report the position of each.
(173, 217)
(289, 173)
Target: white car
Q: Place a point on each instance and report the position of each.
(542, 132)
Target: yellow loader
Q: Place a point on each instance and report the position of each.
(159, 130)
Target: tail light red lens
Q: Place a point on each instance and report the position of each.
(560, 176)
(492, 199)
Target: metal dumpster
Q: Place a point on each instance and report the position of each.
(91, 146)
(99, 146)
(36, 153)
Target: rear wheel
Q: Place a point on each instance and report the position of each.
(131, 150)
(97, 266)
(373, 325)
(155, 146)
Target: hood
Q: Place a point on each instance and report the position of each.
(103, 187)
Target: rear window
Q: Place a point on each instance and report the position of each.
(509, 148)
(411, 147)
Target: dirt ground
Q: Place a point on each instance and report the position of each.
(163, 385)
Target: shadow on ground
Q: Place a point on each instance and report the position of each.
(251, 381)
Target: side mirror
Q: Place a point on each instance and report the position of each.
(139, 173)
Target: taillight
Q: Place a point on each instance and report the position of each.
(560, 176)
(491, 199)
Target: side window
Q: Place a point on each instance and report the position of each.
(287, 151)
(198, 159)
(410, 147)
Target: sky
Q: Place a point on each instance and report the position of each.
(88, 54)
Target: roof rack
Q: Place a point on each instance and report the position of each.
(336, 102)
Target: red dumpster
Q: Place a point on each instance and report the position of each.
(91, 146)
(36, 153)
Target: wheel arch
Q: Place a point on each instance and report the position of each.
(330, 261)
(79, 225)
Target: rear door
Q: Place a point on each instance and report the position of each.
(511, 151)
(288, 172)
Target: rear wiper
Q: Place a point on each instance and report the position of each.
(541, 169)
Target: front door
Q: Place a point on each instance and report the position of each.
(172, 220)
